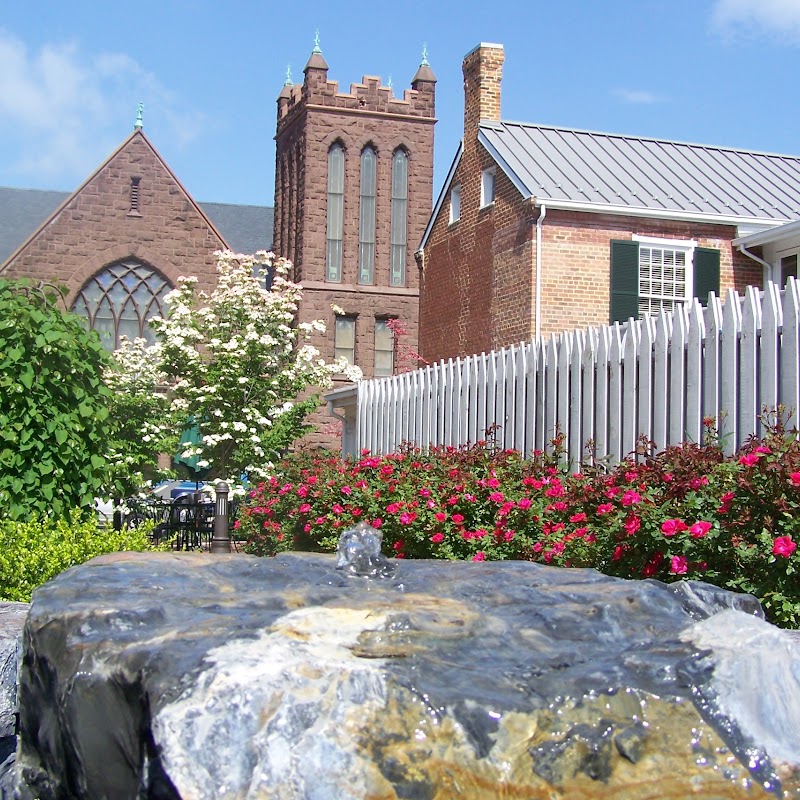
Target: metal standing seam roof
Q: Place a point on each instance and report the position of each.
(602, 169)
(245, 228)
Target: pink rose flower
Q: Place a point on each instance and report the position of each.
(632, 524)
(699, 529)
(678, 565)
(440, 516)
(497, 497)
(479, 556)
(631, 498)
(437, 537)
(604, 508)
(795, 478)
(669, 527)
(783, 546)
(579, 517)
(750, 459)
(407, 518)
(457, 518)
(525, 502)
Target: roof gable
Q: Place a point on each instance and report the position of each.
(602, 172)
(135, 146)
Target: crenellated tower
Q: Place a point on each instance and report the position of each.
(353, 194)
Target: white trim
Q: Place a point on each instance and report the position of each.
(440, 199)
(663, 213)
(773, 235)
(674, 244)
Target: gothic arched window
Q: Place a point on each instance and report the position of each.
(397, 267)
(335, 233)
(120, 299)
(366, 244)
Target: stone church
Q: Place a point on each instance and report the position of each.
(353, 193)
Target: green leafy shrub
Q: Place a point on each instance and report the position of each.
(33, 552)
(688, 512)
(54, 427)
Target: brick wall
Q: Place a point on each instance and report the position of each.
(96, 227)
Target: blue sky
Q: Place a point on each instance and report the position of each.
(71, 73)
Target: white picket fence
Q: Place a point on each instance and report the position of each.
(605, 387)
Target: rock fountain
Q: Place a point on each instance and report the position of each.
(188, 676)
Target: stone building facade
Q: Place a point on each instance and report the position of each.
(353, 193)
(538, 230)
(121, 240)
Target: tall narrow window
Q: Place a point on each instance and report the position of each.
(384, 349)
(455, 203)
(397, 269)
(335, 212)
(344, 341)
(487, 187)
(120, 300)
(366, 244)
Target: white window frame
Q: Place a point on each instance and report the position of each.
(455, 203)
(488, 187)
(686, 246)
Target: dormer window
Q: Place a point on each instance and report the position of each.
(487, 187)
(455, 203)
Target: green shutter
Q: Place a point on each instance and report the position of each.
(706, 273)
(624, 280)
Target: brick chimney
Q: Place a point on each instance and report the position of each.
(483, 73)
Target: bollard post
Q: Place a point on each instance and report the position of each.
(221, 541)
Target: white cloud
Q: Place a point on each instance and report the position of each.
(637, 96)
(65, 109)
(779, 19)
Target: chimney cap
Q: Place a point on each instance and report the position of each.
(484, 46)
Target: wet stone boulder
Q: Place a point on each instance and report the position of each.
(195, 676)
(12, 618)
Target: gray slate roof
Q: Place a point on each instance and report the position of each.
(245, 228)
(564, 165)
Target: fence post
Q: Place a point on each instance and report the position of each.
(221, 542)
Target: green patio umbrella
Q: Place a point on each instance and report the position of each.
(190, 436)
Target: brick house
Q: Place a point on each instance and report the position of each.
(353, 193)
(540, 229)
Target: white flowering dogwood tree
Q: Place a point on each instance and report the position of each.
(143, 424)
(237, 361)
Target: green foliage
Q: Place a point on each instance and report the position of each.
(54, 426)
(689, 512)
(31, 553)
(142, 422)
